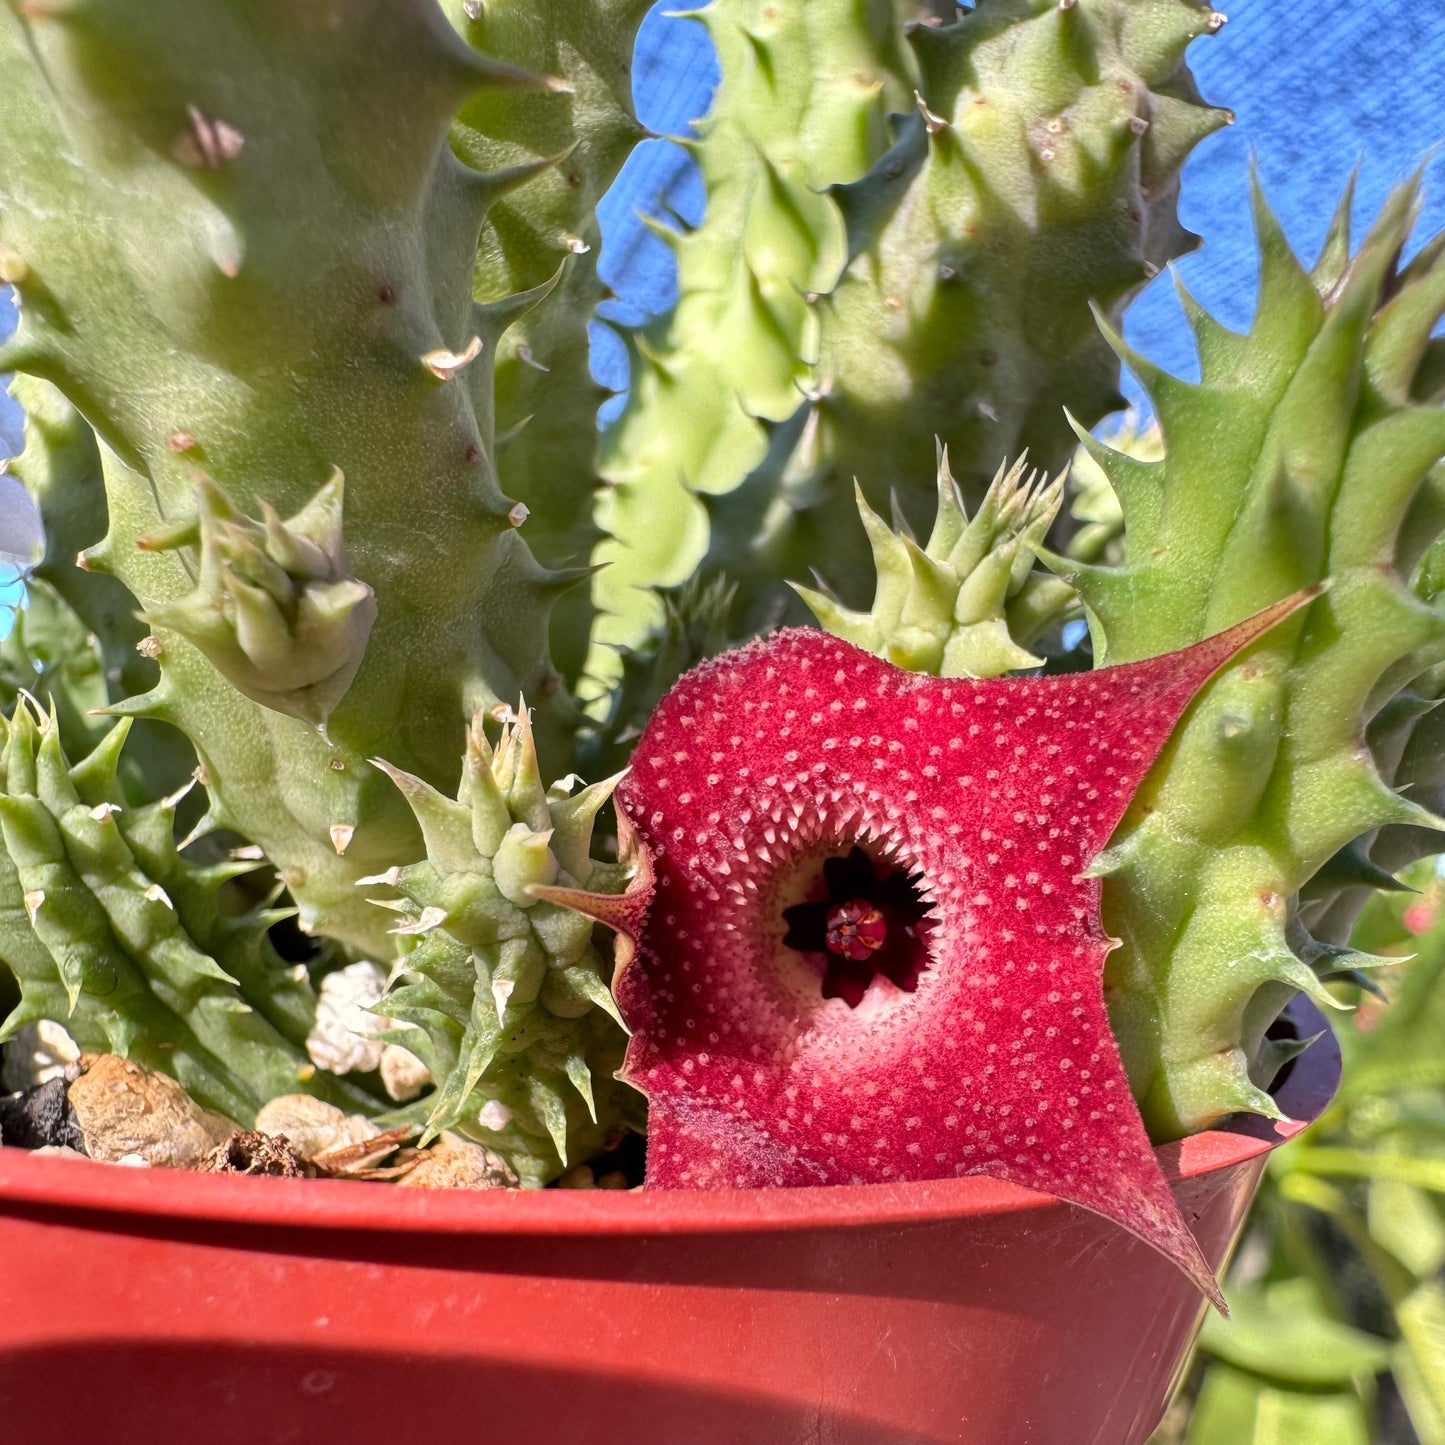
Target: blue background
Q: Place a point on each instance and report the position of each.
(1317, 85)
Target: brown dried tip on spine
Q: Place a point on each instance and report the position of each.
(1216, 22)
(518, 514)
(82, 560)
(155, 893)
(172, 800)
(180, 441)
(444, 364)
(1138, 125)
(576, 245)
(13, 268)
(207, 143)
(473, 9)
(933, 123)
(341, 836)
(1067, 4)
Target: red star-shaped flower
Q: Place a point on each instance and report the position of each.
(810, 809)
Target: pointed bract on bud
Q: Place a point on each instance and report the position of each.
(943, 609)
(522, 861)
(275, 609)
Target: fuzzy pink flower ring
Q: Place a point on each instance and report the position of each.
(873, 953)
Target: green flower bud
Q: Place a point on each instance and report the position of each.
(275, 608)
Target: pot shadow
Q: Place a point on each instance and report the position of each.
(969, 1260)
(175, 1393)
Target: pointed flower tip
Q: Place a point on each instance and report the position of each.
(625, 913)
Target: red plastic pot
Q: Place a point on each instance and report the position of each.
(183, 1309)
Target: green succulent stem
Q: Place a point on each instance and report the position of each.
(803, 103)
(570, 148)
(1308, 452)
(897, 281)
(266, 270)
(110, 931)
(78, 642)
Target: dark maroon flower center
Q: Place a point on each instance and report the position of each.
(857, 930)
(862, 919)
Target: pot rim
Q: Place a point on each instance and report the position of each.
(82, 1184)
